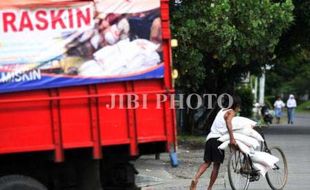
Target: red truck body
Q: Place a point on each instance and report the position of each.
(66, 118)
(78, 117)
(70, 138)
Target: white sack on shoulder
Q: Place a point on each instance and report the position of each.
(262, 169)
(224, 138)
(250, 132)
(224, 145)
(249, 141)
(244, 148)
(264, 158)
(239, 122)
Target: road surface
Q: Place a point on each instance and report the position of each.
(293, 139)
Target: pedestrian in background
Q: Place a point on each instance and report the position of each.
(291, 105)
(278, 106)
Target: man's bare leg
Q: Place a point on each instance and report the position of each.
(202, 168)
(214, 174)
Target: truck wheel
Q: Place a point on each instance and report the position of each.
(19, 182)
(118, 176)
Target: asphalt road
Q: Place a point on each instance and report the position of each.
(293, 139)
(295, 142)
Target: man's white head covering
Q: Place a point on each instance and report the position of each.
(291, 96)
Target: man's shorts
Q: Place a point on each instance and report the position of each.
(212, 153)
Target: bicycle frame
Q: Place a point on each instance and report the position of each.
(247, 167)
(255, 176)
(264, 147)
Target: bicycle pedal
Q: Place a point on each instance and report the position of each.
(255, 172)
(254, 177)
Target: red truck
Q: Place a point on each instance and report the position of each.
(81, 92)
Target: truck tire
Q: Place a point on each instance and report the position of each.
(88, 175)
(118, 176)
(20, 182)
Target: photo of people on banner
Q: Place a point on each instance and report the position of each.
(120, 44)
(80, 44)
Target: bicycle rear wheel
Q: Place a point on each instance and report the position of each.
(239, 179)
(277, 176)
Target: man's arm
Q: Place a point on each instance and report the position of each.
(228, 118)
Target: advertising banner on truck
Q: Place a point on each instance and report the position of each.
(72, 44)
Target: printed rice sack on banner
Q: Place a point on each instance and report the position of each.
(80, 43)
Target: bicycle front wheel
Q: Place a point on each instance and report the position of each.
(277, 176)
(239, 179)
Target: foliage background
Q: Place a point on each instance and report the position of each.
(221, 41)
(291, 71)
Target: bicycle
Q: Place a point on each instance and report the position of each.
(241, 171)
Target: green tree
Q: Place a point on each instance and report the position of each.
(247, 98)
(290, 75)
(291, 70)
(220, 41)
(225, 38)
